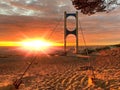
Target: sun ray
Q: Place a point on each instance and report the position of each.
(36, 45)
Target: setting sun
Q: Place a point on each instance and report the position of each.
(37, 45)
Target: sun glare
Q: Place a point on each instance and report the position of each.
(37, 45)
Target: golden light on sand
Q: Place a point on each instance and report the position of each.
(36, 45)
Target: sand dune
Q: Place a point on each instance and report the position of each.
(62, 73)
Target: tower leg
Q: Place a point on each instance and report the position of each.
(76, 45)
(65, 32)
(64, 45)
(77, 33)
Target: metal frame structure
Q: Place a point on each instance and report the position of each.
(67, 31)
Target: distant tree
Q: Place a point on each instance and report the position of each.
(88, 50)
(103, 48)
(118, 45)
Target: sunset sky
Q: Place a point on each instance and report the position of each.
(24, 19)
